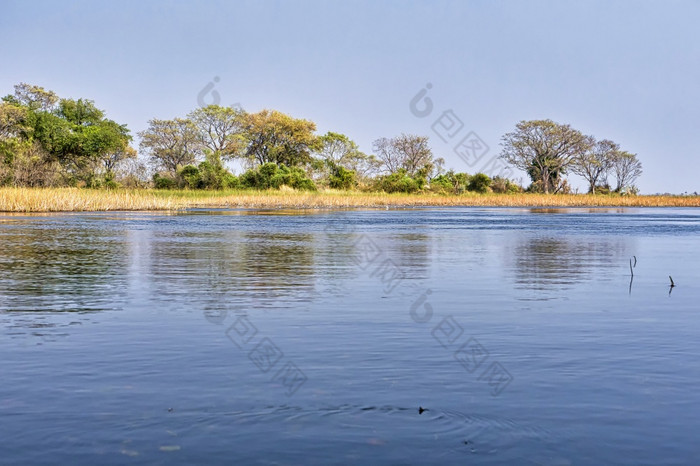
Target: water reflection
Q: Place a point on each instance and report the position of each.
(546, 263)
(71, 269)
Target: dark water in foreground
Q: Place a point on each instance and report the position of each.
(311, 337)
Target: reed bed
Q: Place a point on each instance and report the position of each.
(73, 199)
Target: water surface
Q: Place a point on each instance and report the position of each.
(313, 337)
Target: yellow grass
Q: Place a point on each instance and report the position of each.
(73, 199)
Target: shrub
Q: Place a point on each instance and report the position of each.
(190, 177)
(450, 183)
(215, 176)
(270, 175)
(479, 183)
(341, 178)
(399, 182)
(163, 182)
(602, 189)
(504, 185)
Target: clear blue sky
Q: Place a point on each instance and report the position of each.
(628, 71)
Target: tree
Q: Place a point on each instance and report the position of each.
(408, 152)
(33, 97)
(67, 136)
(337, 148)
(278, 138)
(544, 149)
(480, 183)
(337, 151)
(11, 120)
(112, 159)
(81, 112)
(220, 130)
(171, 143)
(594, 164)
(626, 168)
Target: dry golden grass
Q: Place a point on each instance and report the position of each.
(72, 199)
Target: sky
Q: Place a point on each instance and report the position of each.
(621, 70)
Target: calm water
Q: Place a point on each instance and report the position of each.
(314, 337)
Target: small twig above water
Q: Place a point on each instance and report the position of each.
(635, 260)
(631, 280)
(631, 271)
(670, 288)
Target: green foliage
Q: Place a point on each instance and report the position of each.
(399, 182)
(601, 189)
(273, 176)
(191, 177)
(450, 183)
(341, 178)
(278, 138)
(164, 182)
(72, 133)
(479, 183)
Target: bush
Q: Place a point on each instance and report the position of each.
(215, 176)
(602, 189)
(270, 175)
(504, 185)
(163, 182)
(341, 178)
(479, 183)
(399, 182)
(190, 177)
(450, 183)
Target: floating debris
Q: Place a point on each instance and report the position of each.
(170, 448)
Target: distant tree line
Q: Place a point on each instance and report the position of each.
(49, 141)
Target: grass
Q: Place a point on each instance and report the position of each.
(74, 199)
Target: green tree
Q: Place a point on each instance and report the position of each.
(81, 112)
(12, 121)
(399, 182)
(479, 183)
(220, 130)
(450, 182)
(70, 136)
(171, 144)
(270, 175)
(545, 150)
(341, 178)
(337, 151)
(278, 138)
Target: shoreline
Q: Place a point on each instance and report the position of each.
(93, 200)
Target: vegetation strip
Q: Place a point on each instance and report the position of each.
(75, 200)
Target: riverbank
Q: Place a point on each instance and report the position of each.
(75, 200)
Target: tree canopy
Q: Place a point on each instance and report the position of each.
(74, 134)
(275, 137)
(544, 149)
